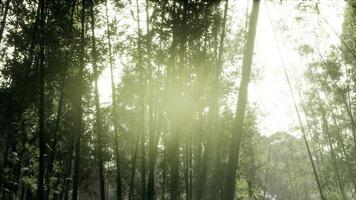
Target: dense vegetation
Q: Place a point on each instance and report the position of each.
(169, 130)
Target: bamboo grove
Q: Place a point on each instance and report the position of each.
(169, 129)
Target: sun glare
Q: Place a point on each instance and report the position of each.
(270, 92)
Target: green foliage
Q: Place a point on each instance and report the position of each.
(175, 78)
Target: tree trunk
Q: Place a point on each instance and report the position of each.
(98, 120)
(133, 170)
(53, 148)
(174, 177)
(114, 111)
(53, 145)
(79, 107)
(152, 116)
(67, 173)
(141, 102)
(41, 108)
(308, 148)
(213, 112)
(332, 153)
(237, 131)
(164, 173)
(340, 140)
(348, 159)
